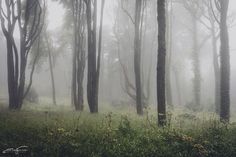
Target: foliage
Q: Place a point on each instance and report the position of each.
(71, 134)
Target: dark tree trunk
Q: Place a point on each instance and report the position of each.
(78, 60)
(225, 63)
(161, 96)
(137, 57)
(17, 56)
(12, 84)
(93, 60)
(91, 82)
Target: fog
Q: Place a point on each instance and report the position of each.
(112, 80)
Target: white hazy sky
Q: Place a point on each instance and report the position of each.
(56, 15)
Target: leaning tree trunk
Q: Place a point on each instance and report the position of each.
(161, 96)
(137, 57)
(225, 63)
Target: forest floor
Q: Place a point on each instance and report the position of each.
(64, 133)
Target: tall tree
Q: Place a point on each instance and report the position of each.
(129, 86)
(50, 61)
(213, 29)
(138, 26)
(137, 55)
(192, 6)
(161, 63)
(93, 56)
(169, 52)
(27, 15)
(78, 13)
(75, 24)
(224, 61)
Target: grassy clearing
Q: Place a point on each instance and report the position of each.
(61, 132)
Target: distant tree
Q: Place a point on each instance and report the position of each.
(94, 54)
(50, 60)
(74, 24)
(121, 33)
(161, 63)
(27, 15)
(138, 26)
(42, 50)
(169, 11)
(192, 6)
(211, 25)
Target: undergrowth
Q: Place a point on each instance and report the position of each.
(71, 134)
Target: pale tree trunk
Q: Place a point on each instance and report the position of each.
(161, 62)
(169, 55)
(51, 71)
(196, 66)
(177, 83)
(216, 68)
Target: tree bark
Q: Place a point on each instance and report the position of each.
(161, 96)
(137, 57)
(17, 57)
(225, 63)
(93, 60)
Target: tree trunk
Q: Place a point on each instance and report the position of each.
(29, 30)
(51, 72)
(161, 96)
(93, 60)
(178, 89)
(216, 69)
(196, 66)
(137, 57)
(91, 82)
(169, 56)
(12, 84)
(225, 63)
(73, 81)
(99, 49)
(52, 78)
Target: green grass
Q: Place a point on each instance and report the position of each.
(61, 132)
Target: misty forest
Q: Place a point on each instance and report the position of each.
(117, 78)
